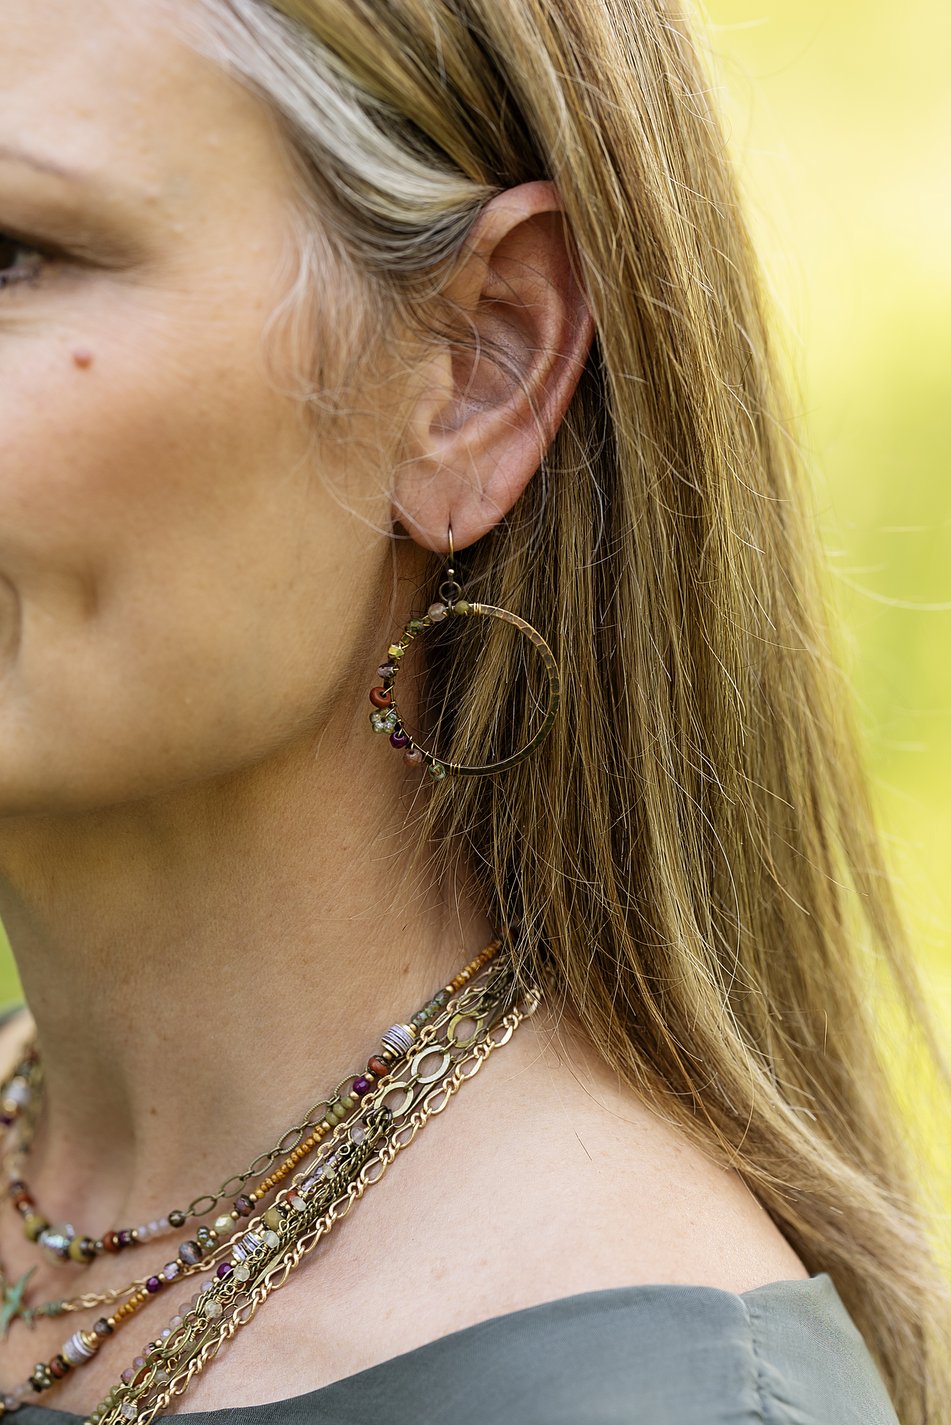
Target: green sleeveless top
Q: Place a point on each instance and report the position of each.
(787, 1353)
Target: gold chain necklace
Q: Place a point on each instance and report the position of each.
(212, 1246)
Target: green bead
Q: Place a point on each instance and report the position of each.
(273, 1218)
(383, 719)
(415, 625)
(461, 607)
(437, 771)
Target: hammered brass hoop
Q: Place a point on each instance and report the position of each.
(387, 718)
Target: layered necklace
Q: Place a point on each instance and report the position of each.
(281, 1205)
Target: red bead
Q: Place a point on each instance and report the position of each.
(110, 1241)
(380, 697)
(377, 1066)
(59, 1367)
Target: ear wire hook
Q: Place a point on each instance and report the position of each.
(449, 589)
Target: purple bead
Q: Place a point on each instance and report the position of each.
(153, 1284)
(399, 739)
(361, 1086)
(243, 1206)
(224, 1269)
(125, 1238)
(190, 1253)
(386, 670)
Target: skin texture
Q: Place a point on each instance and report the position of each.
(201, 842)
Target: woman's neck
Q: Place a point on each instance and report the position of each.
(204, 967)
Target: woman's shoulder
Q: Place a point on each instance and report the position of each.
(665, 1354)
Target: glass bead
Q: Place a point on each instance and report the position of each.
(395, 650)
(437, 771)
(384, 721)
(56, 1240)
(271, 1239)
(81, 1249)
(242, 1272)
(224, 1223)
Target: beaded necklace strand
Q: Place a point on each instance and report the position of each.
(353, 1099)
(21, 1099)
(311, 1206)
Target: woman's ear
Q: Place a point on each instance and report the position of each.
(484, 415)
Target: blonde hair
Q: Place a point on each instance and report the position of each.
(691, 859)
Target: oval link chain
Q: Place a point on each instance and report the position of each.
(433, 1101)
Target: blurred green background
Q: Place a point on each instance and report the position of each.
(839, 118)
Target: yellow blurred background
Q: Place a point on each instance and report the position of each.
(839, 117)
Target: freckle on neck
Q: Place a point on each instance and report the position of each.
(82, 356)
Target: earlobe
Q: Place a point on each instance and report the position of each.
(491, 399)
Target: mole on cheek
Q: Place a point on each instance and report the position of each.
(82, 356)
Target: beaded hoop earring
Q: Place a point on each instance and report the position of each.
(386, 716)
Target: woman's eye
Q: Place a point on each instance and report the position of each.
(13, 272)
